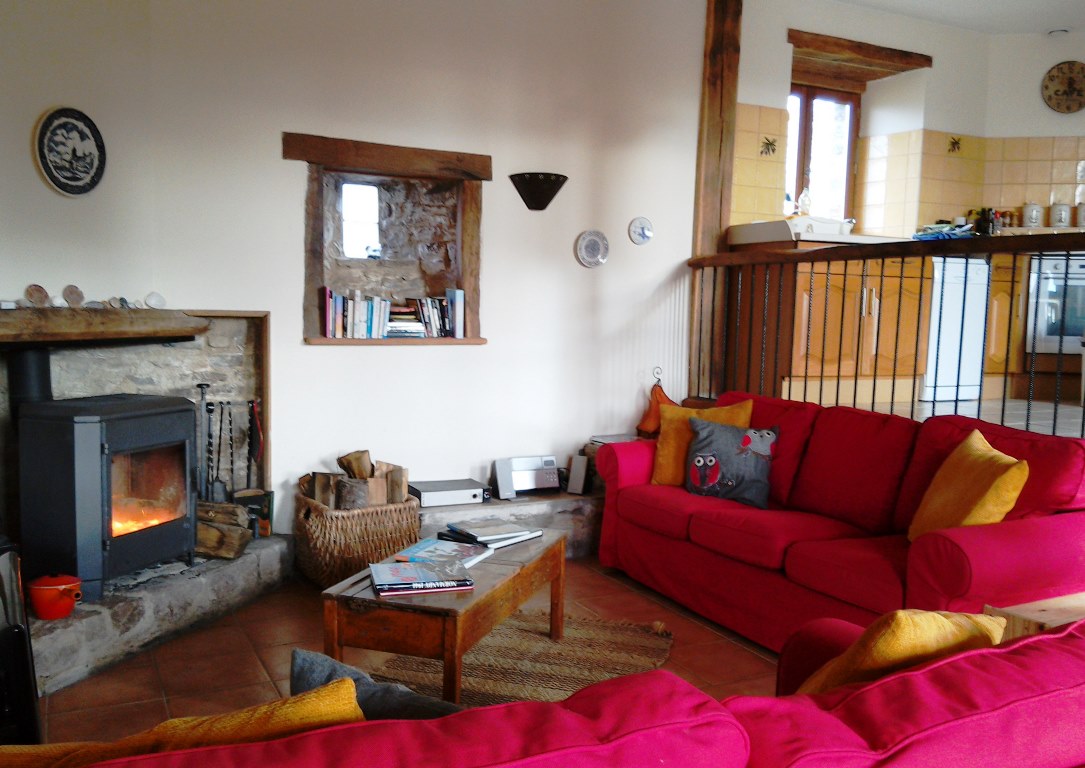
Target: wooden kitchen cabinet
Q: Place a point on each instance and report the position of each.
(1007, 310)
(850, 321)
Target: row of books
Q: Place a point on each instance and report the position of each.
(354, 316)
(440, 564)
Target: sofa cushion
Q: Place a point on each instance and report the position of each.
(795, 421)
(760, 537)
(672, 723)
(976, 485)
(868, 572)
(1014, 704)
(675, 435)
(729, 462)
(905, 638)
(1056, 466)
(853, 466)
(663, 509)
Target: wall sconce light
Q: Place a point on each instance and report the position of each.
(537, 188)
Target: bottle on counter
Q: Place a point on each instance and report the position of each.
(804, 202)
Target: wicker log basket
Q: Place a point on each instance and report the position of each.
(332, 544)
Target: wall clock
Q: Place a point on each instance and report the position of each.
(1063, 87)
(592, 248)
(70, 151)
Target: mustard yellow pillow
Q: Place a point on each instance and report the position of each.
(330, 704)
(975, 485)
(675, 435)
(903, 639)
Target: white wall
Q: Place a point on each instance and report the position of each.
(196, 202)
(1017, 64)
(979, 85)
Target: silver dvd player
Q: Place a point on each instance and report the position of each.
(440, 493)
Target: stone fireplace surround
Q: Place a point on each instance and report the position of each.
(141, 352)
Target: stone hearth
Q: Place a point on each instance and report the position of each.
(146, 607)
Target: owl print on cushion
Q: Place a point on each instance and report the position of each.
(730, 462)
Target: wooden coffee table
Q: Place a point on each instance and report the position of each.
(445, 625)
(1039, 616)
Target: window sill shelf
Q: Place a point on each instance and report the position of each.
(322, 341)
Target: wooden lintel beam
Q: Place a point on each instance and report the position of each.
(386, 159)
(853, 52)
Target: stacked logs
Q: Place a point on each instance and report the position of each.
(362, 483)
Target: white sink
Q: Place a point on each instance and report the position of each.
(814, 225)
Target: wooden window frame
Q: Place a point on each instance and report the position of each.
(329, 155)
(807, 94)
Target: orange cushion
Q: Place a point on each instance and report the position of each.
(976, 485)
(902, 639)
(675, 435)
(330, 704)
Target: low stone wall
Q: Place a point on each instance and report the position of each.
(130, 618)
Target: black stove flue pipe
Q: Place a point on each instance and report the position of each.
(29, 377)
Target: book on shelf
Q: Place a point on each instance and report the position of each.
(419, 577)
(438, 550)
(455, 299)
(350, 315)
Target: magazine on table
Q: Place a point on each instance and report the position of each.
(438, 550)
(414, 578)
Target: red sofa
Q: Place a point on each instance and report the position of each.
(1016, 705)
(844, 485)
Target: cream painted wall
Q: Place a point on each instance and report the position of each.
(196, 202)
(980, 85)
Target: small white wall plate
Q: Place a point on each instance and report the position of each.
(640, 230)
(592, 248)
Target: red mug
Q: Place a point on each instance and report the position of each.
(54, 596)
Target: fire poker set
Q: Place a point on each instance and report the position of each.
(229, 516)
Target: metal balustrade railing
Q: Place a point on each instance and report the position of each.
(987, 327)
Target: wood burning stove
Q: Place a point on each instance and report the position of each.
(107, 485)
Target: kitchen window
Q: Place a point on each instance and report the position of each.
(822, 133)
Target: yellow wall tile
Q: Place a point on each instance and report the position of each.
(993, 149)
(1012, 195)
(747, 144)
(745, 172)
(1064, 171)
(1014, 172)
(747, 118)
(1038, 193)
(1041, 148)
(1063, 193)
(1065, 148)
(1015, 149)
(1039, 172)
(898, 144)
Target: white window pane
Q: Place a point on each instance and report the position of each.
(830, 141)
(361, 222)
(791, 158)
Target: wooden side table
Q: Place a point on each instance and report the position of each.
(1033, 618)
(445, 625)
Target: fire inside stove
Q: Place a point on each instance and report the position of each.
(148, 488)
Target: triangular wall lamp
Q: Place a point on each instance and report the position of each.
(537, 189)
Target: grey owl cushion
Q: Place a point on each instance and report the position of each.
(730, 462)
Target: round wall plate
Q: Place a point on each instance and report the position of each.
(640, 230)
(592, 248)
(70, 151)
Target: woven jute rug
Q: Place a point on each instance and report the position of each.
(518, 661)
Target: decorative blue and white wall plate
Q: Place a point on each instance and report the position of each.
(70, 151)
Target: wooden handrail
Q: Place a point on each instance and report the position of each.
(973, 247)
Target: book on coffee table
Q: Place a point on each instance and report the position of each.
(416, 578)
(484, 533)
(438, 550)
(504, 541)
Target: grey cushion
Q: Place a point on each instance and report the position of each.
(730, 462)
(378, 701)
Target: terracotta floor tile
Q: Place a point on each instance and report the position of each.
(120, 684)
(630, 606)
(287, 628)
(686, 631)
(276, 658)
(296, 597)
(226, 668)
(220, 702)
(106, 723)
(203, 642)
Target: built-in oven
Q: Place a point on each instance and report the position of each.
(1056, 310)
